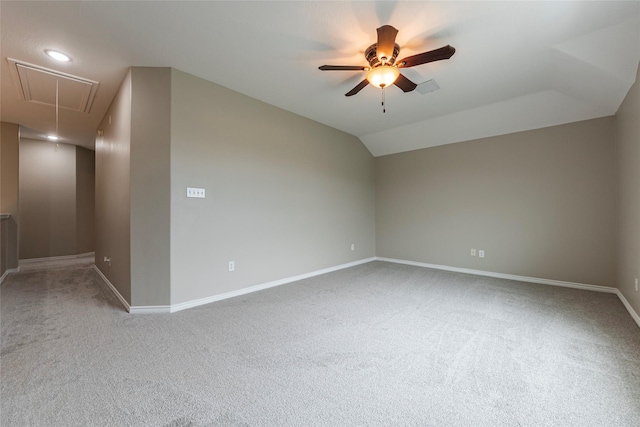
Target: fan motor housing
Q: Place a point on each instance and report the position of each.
(372, 58)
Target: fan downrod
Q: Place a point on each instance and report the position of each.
(372, 58)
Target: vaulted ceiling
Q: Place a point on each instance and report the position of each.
(518, 65)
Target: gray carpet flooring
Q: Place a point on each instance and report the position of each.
(378, 344)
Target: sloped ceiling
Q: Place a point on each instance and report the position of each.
(518, 65)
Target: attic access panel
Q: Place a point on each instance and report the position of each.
(38, 84)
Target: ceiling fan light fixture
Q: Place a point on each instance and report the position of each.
(384, 70)
(383, 76)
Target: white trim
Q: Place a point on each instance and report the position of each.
(630, 309)
(7, 272)
(202, 301)
(583, 286)
(55, 258)
(214, 298)
(150, 309)
(597, 288)
(113, 289)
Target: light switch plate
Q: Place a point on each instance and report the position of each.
(197, 193)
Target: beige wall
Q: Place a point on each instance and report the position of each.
(150, 185)
(112, 202)
(133, 188)
(627, 130)
(85, 200)
(9, 162)
(284, 195)
(47, 199)
(540, 203)
(57, 208)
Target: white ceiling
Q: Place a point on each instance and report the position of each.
(518, 65)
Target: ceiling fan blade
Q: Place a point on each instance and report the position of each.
(405, 84)
(445, 52)
(343, 68)
(386, 41)
(358, 88)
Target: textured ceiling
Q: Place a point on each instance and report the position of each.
(518, 65)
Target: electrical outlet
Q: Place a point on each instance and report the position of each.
(473, 252)
(353, 246)
(481, 253)
(232, 266)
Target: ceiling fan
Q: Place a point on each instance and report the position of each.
(383, 70)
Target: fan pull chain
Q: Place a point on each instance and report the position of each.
(384, 110)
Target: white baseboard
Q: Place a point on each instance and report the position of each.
(551, 282)
(123, 301)
(55, 258)
(630, 309)
(7, 272)
(150, 309)
(244, 291)
(202, 301)
(113, 289)
(583, 286)
(195, 303)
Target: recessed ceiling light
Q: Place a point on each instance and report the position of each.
(52, 137)
(58, 56)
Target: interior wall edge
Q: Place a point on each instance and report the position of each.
(627, 146)
(7, 272)
(9, 195)
(628, 306)
(112, 288)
